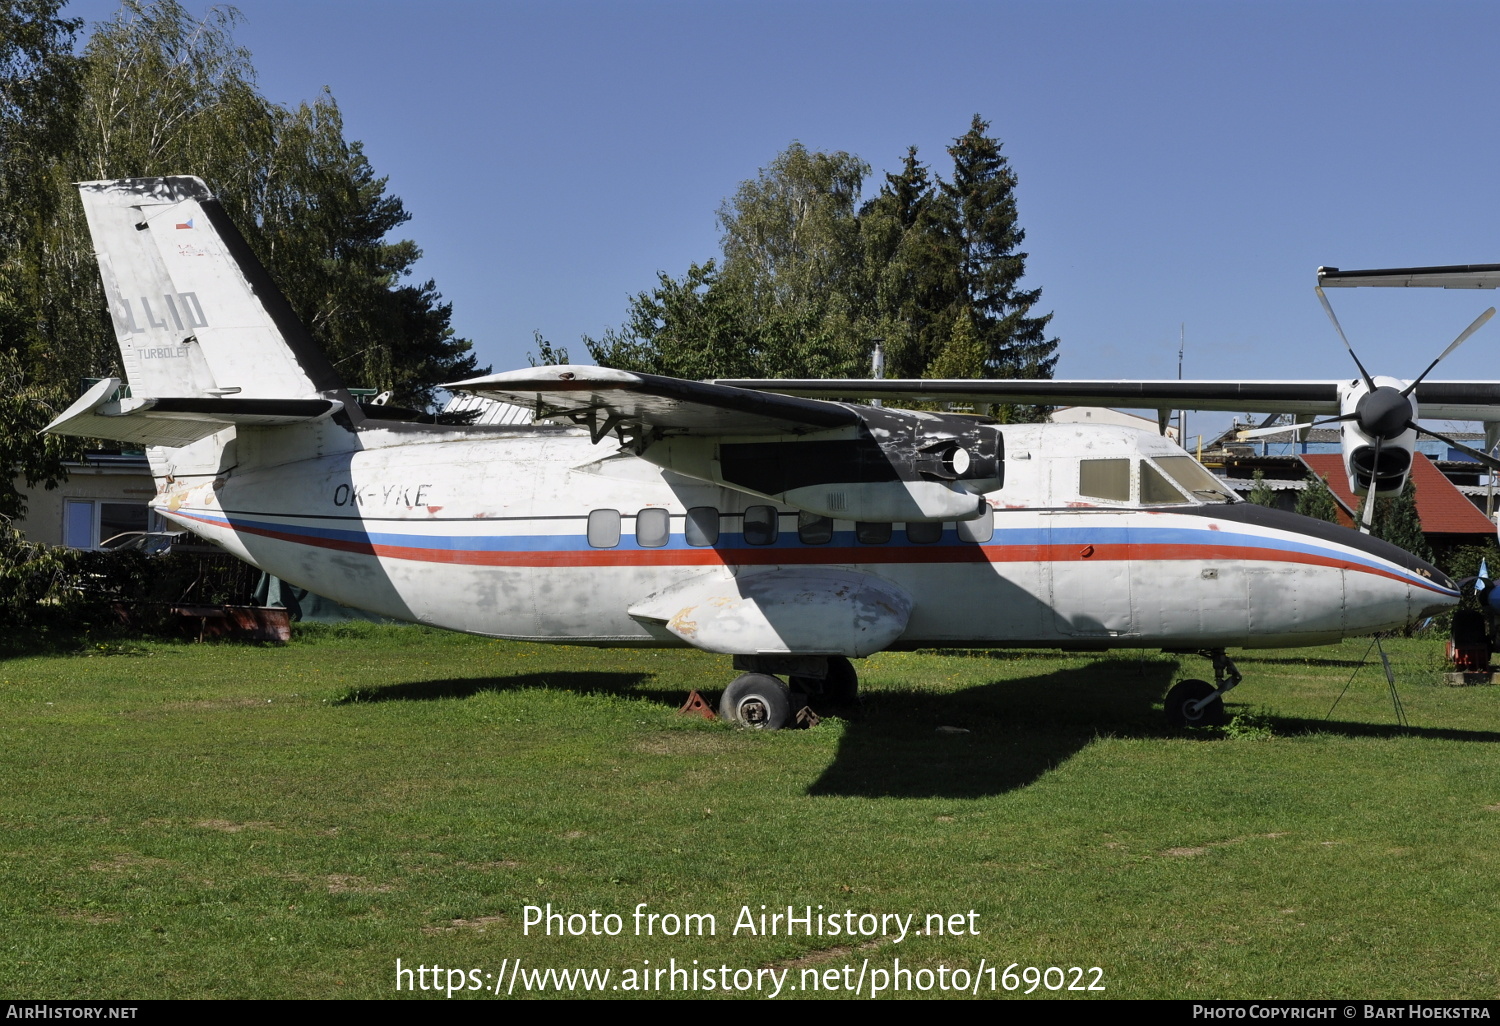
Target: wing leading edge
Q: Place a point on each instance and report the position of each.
(607, 400)
(1453, 276)
(1441, 400)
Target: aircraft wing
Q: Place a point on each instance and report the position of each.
(176, 421)
(1440, 400)
(1315, 397)
(1455, 276)
(605, 399)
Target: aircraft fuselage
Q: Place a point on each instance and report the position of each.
(512, 533)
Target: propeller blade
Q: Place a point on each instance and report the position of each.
(1259, 432)
(1369, 517)
(1328, 309)
(1479, 322)
(1482, 457)
(1280, 429)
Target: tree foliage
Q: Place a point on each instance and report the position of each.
(1317, 501)
(39, 77)
(1260, 492)
(1396, 520)
(982, 196)
(158, 92)
(808, 278)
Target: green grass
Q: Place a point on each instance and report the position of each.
(186, 820)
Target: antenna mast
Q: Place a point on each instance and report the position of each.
(1181, 414)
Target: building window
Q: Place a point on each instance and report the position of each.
(90, 523)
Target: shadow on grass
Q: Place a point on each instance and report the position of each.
(578, 682)
(1020, 729)
(1017, 729)
(1248, 660)
(1286, 726)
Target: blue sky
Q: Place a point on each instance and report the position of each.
(1179, 162)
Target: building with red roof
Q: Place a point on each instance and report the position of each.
(1448, 517)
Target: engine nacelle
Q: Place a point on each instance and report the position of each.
(1379, 416)
(895, 466)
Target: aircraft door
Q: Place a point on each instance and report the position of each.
(1090, 568)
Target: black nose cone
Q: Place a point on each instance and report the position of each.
(1281, 520)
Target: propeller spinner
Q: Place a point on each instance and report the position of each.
(1383, 421)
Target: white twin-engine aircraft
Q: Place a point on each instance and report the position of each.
(792, 533)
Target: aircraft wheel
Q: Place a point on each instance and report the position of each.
(1179, 702)
(839, 688)
(756, 700)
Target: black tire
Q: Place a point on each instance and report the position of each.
(756, 700)
(1179, 702)
(839, 688)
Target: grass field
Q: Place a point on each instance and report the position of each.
(193, 820)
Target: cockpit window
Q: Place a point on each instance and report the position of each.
(1156, 490)
(1195, 479)
(1104, 479)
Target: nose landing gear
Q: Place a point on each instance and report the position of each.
(1197, 703)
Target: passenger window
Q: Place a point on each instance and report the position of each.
(981, 529)
(924, 533)
(604, 528)
(701, 526)
(761, 525)
(653, 527)
(1104, 479)
(872, 534)
(813, 529)
(1156, 490)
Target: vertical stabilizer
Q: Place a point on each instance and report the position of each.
(194, 311)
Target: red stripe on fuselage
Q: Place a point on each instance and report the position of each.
(813, 554)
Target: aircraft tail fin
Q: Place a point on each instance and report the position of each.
(196, 315)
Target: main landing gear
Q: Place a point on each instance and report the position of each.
(758, 699)
(1197, 703)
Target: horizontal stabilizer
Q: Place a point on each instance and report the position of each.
(606, 399)
(177, 421)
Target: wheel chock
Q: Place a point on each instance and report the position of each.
(696, 706)
(807, 718)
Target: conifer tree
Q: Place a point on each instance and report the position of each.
(1398, 522)
(1317, 501)
(964, 354)
(983, 221)
(806, 283)
(1260, 492)
(911, 270)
